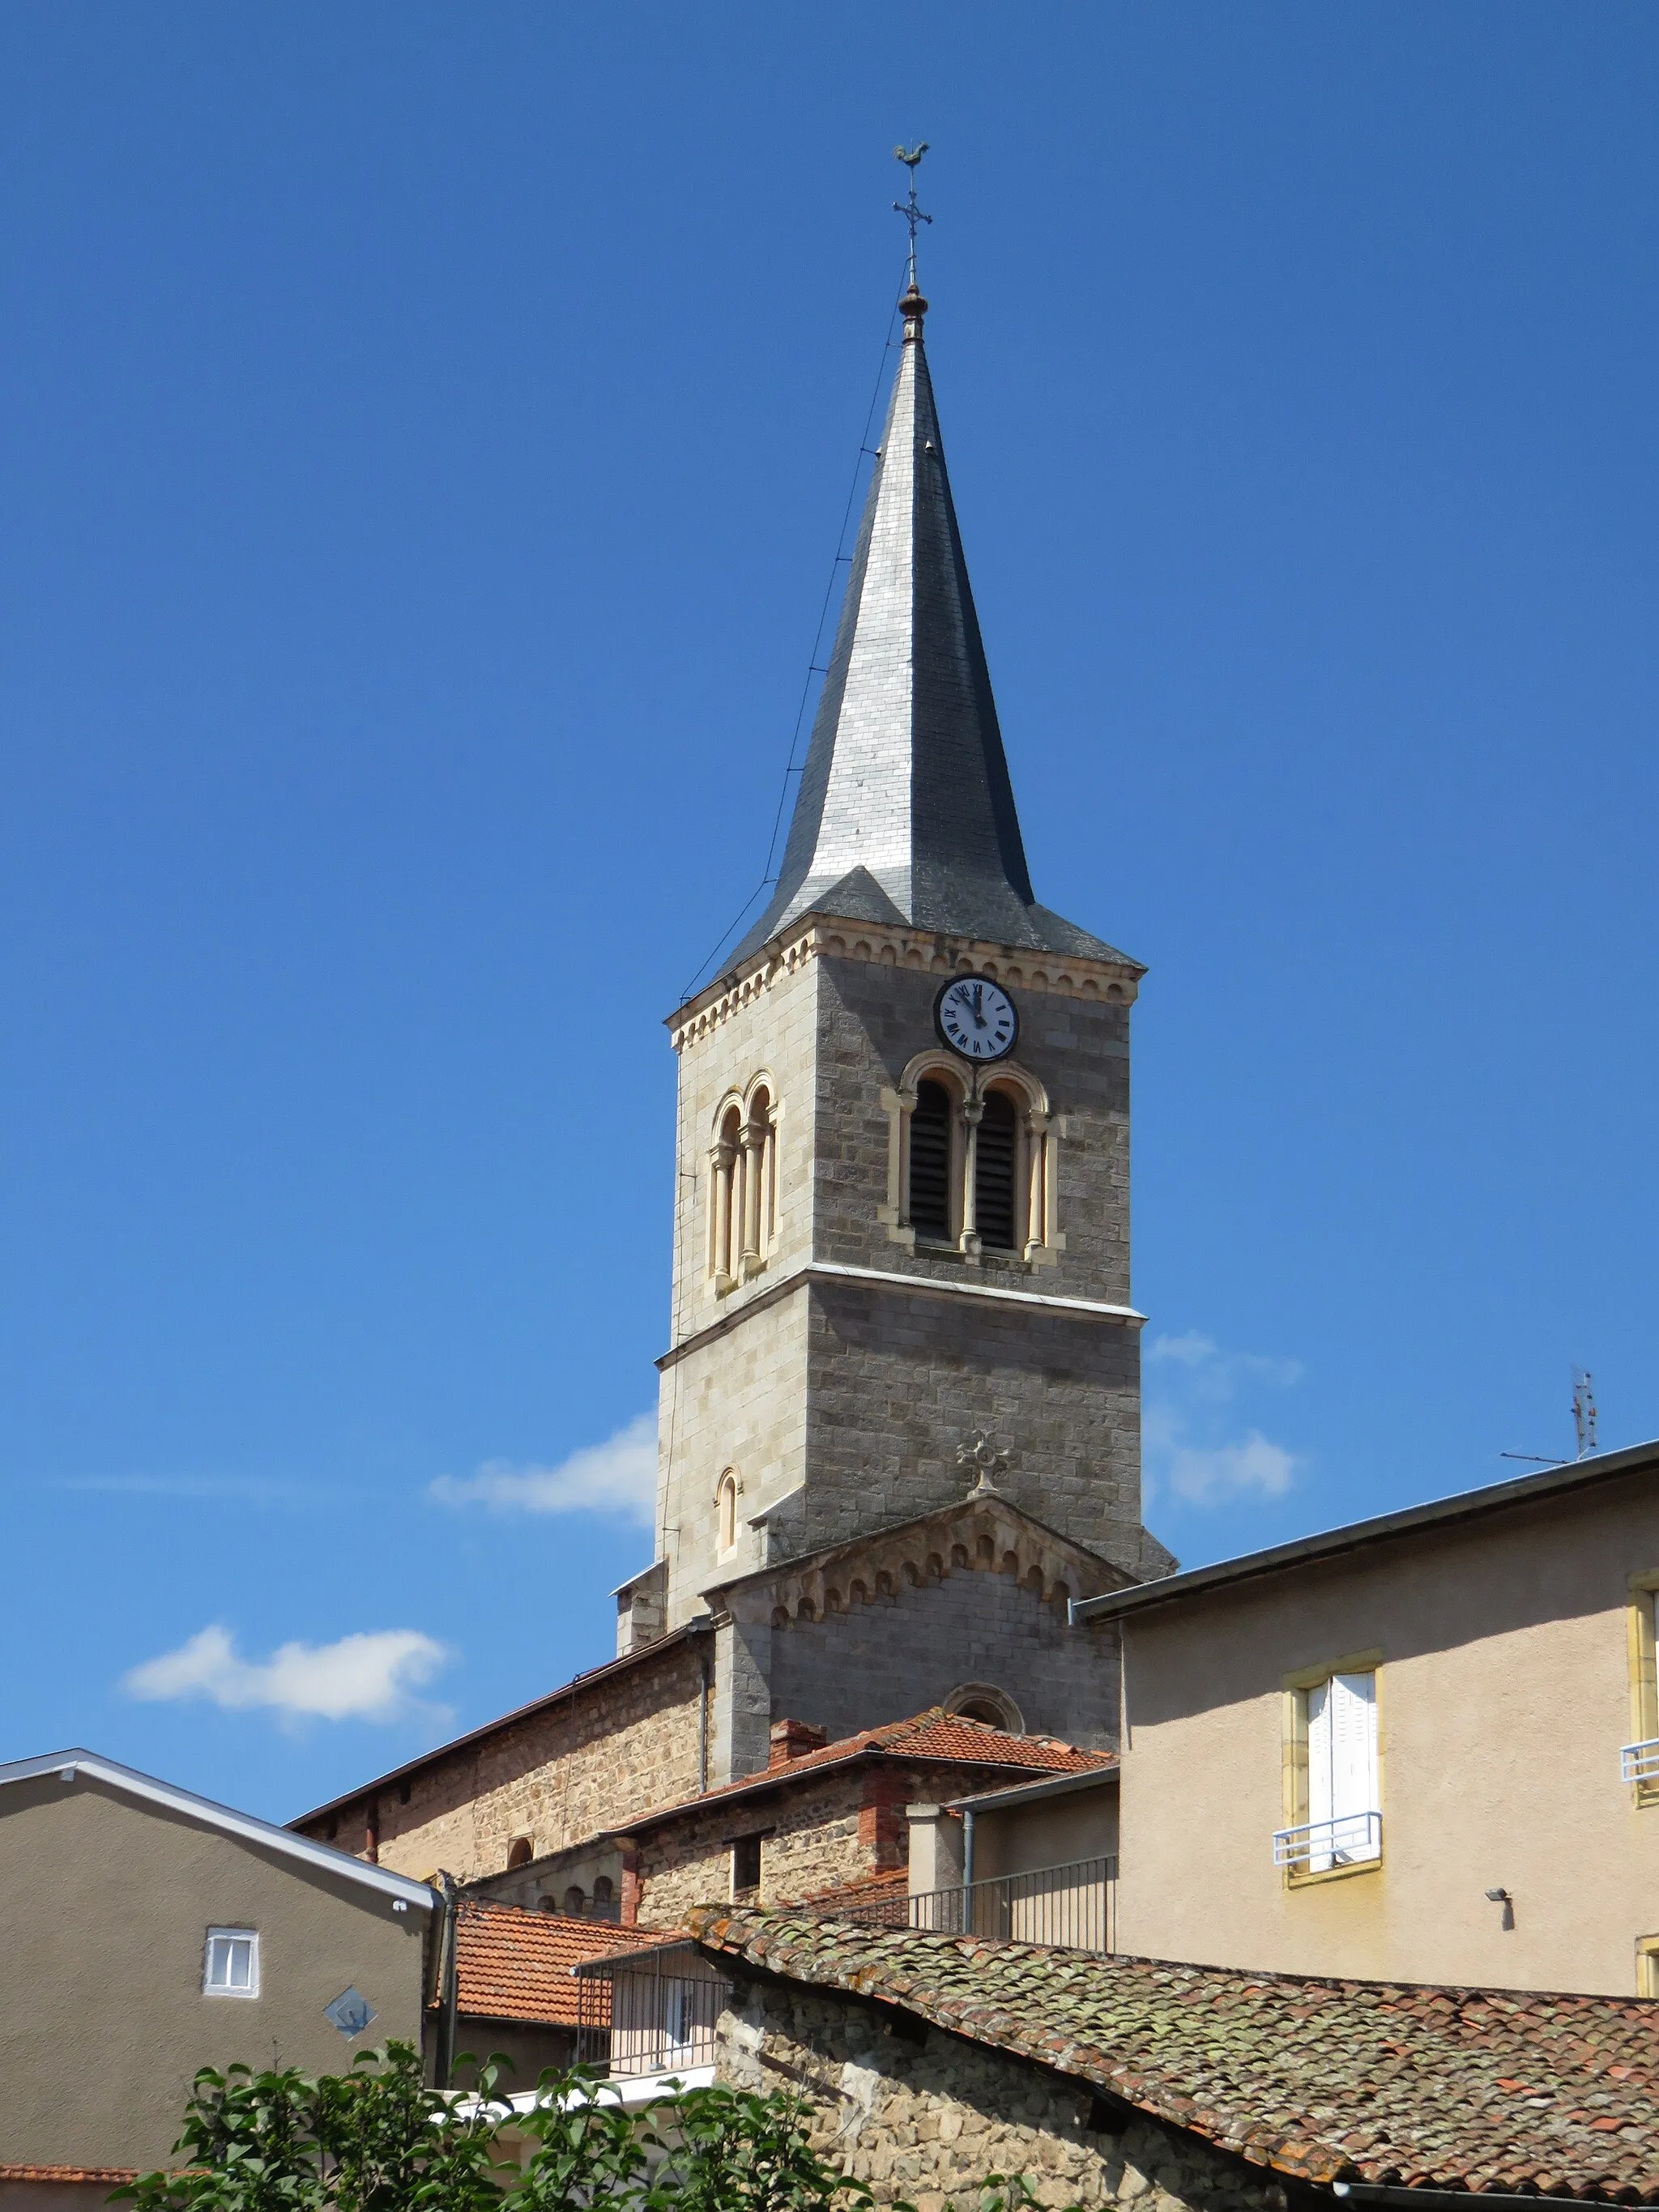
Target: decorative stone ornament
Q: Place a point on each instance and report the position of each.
(982, 1455)
(976, 1018)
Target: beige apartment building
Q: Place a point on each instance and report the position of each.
(1422, 1747)
(147, 1932)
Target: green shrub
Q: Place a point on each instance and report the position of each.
(378, 2140)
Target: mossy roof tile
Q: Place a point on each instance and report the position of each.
(1502, 2090)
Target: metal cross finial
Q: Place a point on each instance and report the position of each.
(908, 208)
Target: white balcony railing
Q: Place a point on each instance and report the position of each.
(1639, 1762)
(1318, 1845)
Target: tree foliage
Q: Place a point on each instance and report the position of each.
(378, 2140)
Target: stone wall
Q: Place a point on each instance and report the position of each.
(931, 2119)
(852, 1401)
(817, 1834)
(604, 1751)
(900, 1651)
(872, 1020)
(739, 1400)
(899, 1381)
(812, 1843)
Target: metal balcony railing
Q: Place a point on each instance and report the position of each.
(634, 2019)
(1639, 1762)
(1350, 1839)
(1069, 1908)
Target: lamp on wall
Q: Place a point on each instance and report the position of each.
(1502, 1897)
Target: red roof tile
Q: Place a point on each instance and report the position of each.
(935, 1735)
(514, 1965)
(110, 2174)
(864, 1889)
(1384, 2082)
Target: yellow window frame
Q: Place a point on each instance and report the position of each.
(1294, 1688)
(1644, 1675)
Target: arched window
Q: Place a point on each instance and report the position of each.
(575, 1901)
(604, 1899)
(725, 1512)
(519, 1852)
(989, 1702)
(996, 1155)
(742, 1189)
(929, 1163)
(970, 1161)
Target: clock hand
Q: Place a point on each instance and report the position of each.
(979, 994)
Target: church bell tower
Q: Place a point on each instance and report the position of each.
(902, 1243)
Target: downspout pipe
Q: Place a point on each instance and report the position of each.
(448, 1990)
(968, 1870)
(707, 1658)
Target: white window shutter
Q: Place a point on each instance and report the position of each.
(1319, 1774)
(1353, 1764)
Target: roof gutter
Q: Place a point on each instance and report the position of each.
(1356, 1536)
(1025, 1793)
(69, 1765)
(1360, 2193)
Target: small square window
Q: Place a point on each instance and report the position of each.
(231, 1964)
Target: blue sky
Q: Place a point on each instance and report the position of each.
(426, 434)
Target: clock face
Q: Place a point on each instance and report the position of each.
(976, 1018)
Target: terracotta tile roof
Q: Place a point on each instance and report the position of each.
(99, 2173)
(865, 1889)
(1372, 2081)
(514, 1965)
(933, 1735)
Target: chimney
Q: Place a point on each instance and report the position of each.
(791, 1738)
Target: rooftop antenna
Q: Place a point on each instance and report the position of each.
(913, 214)
(1583, 1422)
(1583, 1410)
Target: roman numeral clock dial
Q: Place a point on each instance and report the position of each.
(976, 1018)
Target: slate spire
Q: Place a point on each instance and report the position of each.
(905, 811)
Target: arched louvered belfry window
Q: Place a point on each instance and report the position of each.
(996, 1159)
(742, 1189)
(971, 1161)
(929, 1163)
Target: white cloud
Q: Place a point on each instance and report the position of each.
(619, 1476)
(1192, 1447)
(1207, 1476)
(1209, 1374)
(1191, 1349)
(364, 1677)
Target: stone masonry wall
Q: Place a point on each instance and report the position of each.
(817, 1835)
(872, 1020)
(895, 1654)
(899, 1379)
(739, 1400)
(605, 1753)
(866, 1412)
(932, 2120)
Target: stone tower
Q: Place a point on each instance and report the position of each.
(900, 1271)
